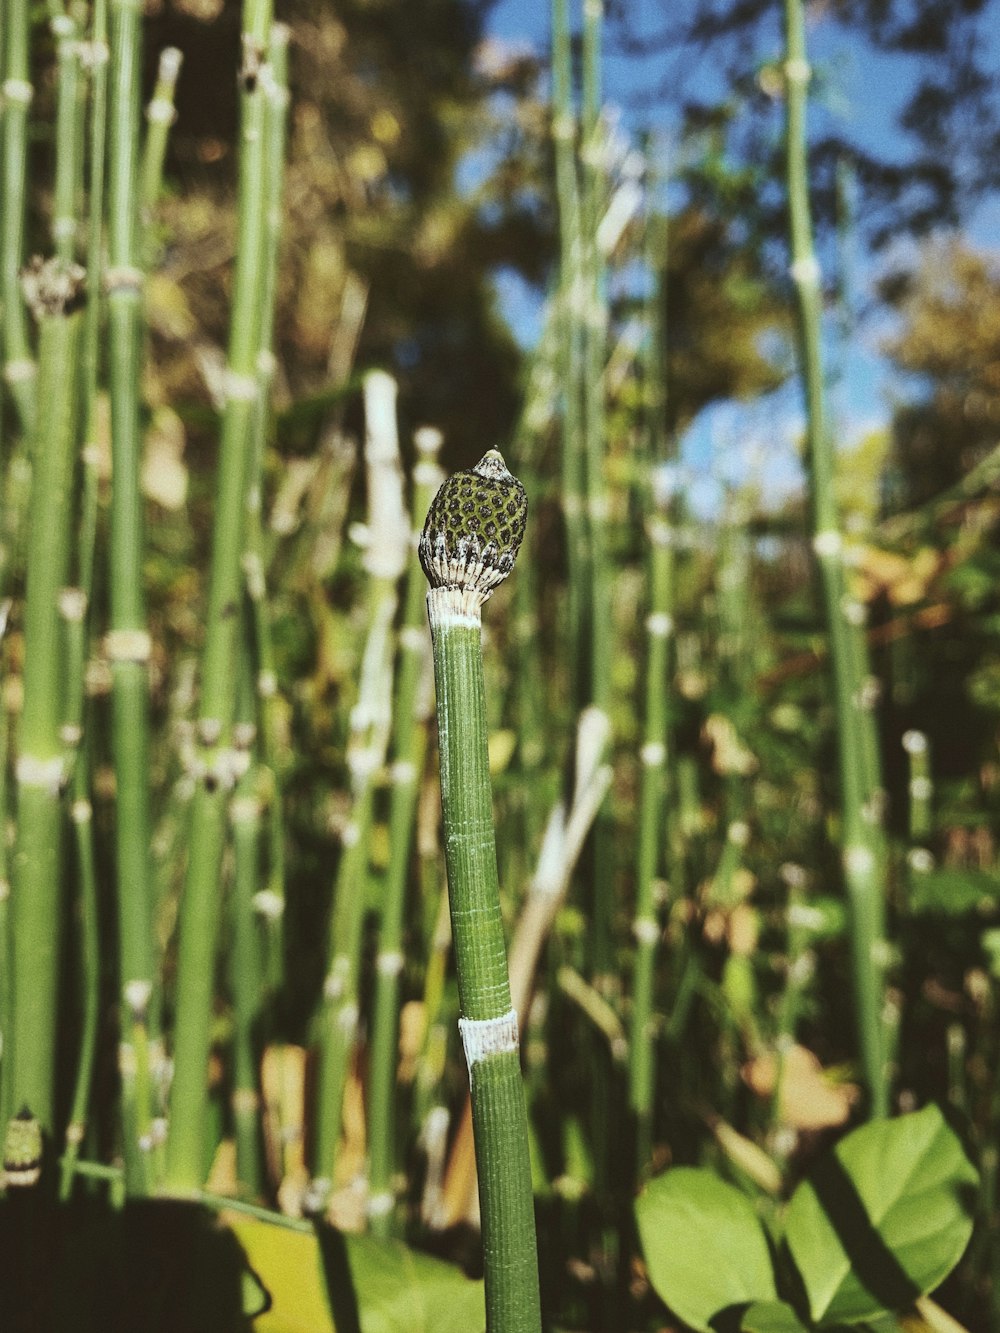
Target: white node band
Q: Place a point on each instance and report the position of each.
(380, 1204)
(488, 1036)
(646, 930)
(653, 754)
(660, 624)
(390, 964)
(268, 904)
(805, 271)
(828, 543)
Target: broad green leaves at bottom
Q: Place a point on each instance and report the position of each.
(883, 1219)
(704, 1245)
(771, 1317)
(380, 1286)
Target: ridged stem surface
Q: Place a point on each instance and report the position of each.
(498, 1103)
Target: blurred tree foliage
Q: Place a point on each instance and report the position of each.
(949, 121)
(950, 337)
(385, 261)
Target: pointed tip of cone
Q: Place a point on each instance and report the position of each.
(492, 465)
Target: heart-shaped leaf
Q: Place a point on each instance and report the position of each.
(883, 1218)
(705, 1247)
(771, 1317)
(323, 1281)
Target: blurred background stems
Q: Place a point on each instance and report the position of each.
(654, 845)
(387, 548)
(258, 898)
(81, 809)
(69, 135)
(128, 644)
(19, 368)
(269, 902)
(492, 1048)
(408, 749)
(56, 293)
(571, 347)
(216, 764)
(160, 116)
(862, 840)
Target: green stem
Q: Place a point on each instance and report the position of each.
(217, 763)
(41, 756)
(646, 926)
(271, 902)
(571, 364)
(19, 369)
(128, 643)
(385, 559)
(409, 747)
(488, 1024)
(6, 943)
(862, 840)
(245, 983)
(69, 137)
(81, 811)
(160, 116)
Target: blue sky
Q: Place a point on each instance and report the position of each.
(862, 91)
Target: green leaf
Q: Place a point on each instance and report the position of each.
(324, 1281)
(883, 1219)
(705, 1248)
(952, 892)
(771, 1317)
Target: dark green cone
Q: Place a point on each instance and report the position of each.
(474, 528)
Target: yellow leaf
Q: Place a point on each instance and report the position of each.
(289, 1265)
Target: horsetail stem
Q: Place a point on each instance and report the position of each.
(862, 839)
(19, 368)
(385, 559)
(408, 749)
(470, 540)
(160, 116)
(56, 293)
(128, 644)
(217, 762)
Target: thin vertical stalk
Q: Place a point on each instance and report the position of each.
(595, 324)
(69, 137)
(245, 971)
(128, 643)
(862, 842)
(160, 115)
(595, 321)
(41, 763)
(385, 561)
(6, 960)
(270, 902)
(464, 556)
(19, 369)
(654, 833)
(81, 811)
(81, 814)
(408, 748)
(653, 755)
(216, 762)
(564, 131)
